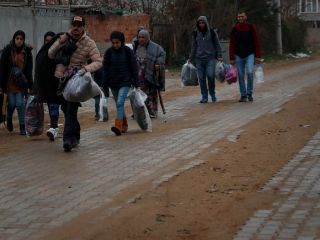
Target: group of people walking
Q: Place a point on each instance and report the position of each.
(65, 54)
(120, 68)
(244, 52)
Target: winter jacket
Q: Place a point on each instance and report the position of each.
(45, 84)
(120, 68)
(244, 41)
(205, 43)
(7, 63)
(86, 49)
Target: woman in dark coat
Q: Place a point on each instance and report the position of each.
(120, 72)
(16, 77)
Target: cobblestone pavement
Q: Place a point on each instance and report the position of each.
(297, 216)
(41, 187)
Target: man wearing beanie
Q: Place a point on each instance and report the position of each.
(151, 59)
(204, 53)
(83, 50)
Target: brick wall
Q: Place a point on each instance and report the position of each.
(100, 27)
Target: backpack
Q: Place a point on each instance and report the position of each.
(212, 32)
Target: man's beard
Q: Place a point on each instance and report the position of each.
(77, 34)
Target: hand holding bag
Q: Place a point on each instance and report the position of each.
(80, 88)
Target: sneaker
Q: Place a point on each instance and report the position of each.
(153, 115)
(214, 99)
(53, 133)
(96, 117)
(243, 99)
(203, 101)
(250, 98)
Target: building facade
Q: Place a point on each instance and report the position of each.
(309, 11)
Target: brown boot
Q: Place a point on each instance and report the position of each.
(124, 125)
(117, 127)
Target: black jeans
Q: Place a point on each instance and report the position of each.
(71, 124)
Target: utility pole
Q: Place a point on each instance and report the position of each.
(279, 31)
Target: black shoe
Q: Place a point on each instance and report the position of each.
(250, 98)
(9, 125)
(22, 130)
(203, 101)
(243, 99)
(214, 99)
(96, 117)
(68, 145)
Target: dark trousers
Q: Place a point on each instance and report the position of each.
(71, 124)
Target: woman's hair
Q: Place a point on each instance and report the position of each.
(50, 33)
(19, 33)
(117, 35)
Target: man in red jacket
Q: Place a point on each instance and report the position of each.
(244, 50)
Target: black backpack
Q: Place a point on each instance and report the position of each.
(213, 34)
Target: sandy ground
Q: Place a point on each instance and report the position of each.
(210, 201)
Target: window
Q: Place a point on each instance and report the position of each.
(309, 6)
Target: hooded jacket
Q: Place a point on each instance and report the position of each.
(7, 63)
(205, 43)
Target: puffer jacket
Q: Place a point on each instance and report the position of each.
(86, 50)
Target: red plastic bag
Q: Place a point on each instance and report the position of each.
(231, 75)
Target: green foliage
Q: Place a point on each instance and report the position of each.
(273, 57)
(293, 34)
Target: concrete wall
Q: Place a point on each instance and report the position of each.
(34, 22)
(313, 36)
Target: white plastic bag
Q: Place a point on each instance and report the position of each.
(258, 74)
(139, 109)
(221, 71)
(189, 75)
(103, 108)
(80, 88)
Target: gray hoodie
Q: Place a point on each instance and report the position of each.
(204, 45)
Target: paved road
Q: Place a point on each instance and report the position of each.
(42, 187)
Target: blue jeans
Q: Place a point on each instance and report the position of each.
(54, 114)
(16, 100)
(206, 70)
(120, 98)
(245, 65)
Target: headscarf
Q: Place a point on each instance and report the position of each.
(144, 33)
(50, 33)
(23, 35)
